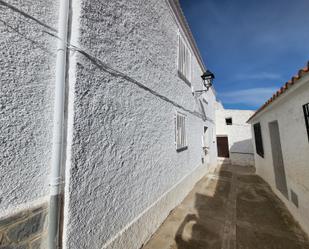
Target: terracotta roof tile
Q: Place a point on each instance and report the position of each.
(283, 89)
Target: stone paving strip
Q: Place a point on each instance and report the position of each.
(24, 230)
(231, 208)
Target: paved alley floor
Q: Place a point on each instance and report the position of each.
(231, 208)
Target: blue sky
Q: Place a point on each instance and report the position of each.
(252, 46)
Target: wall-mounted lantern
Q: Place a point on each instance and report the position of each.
(207, 77)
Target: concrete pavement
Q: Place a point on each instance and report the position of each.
(231, 208)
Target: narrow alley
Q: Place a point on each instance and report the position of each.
(230, 208)
(114, 117)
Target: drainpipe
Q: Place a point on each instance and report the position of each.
(57, 147)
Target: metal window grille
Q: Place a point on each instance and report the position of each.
(184, 59)
(306, 113)
(181, 136)
(258, 139)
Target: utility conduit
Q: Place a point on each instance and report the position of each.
(57, 146)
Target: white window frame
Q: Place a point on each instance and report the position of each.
(180, 131)
(184, 59)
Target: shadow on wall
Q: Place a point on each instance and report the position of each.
(242, 147)
(203, 227)
(240, 153)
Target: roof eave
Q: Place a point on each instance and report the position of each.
(285, 89)
(175, 6)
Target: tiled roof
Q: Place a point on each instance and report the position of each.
(283, 89)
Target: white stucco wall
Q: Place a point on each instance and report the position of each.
(26, 101)
(123, 172)
(211, 113)
(239, 134)
(295, 147)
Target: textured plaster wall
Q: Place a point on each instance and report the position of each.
(126, 94)
(211, 132)
(141, 229)
(26, 100)
(295, 146)
(239, 134)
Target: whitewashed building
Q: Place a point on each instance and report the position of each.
(281, 135)
(100, 126)
(234, 138)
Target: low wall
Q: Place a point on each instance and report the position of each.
(242, 159)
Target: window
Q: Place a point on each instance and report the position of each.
(184, 60)
(258, 139)
(306, 113)
(181, 136)
(228, 121)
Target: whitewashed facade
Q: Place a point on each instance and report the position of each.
(128, 159)
(233, 125)
(282, 151)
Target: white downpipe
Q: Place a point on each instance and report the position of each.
(57, 147)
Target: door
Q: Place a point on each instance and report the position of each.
(276, 150)
(205, 141)
(205, 137)
(223, 147)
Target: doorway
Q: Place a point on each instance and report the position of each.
(276, 149)
(205, 144)
(223, 147)
(205, 137)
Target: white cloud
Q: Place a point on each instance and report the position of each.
(259, 76)
(252, 97)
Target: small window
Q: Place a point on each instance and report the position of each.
(181, 136)
(228, 121)
(258, 139)
(306, 113)
(184, 60)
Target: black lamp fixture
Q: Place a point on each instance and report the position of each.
(207, 77)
